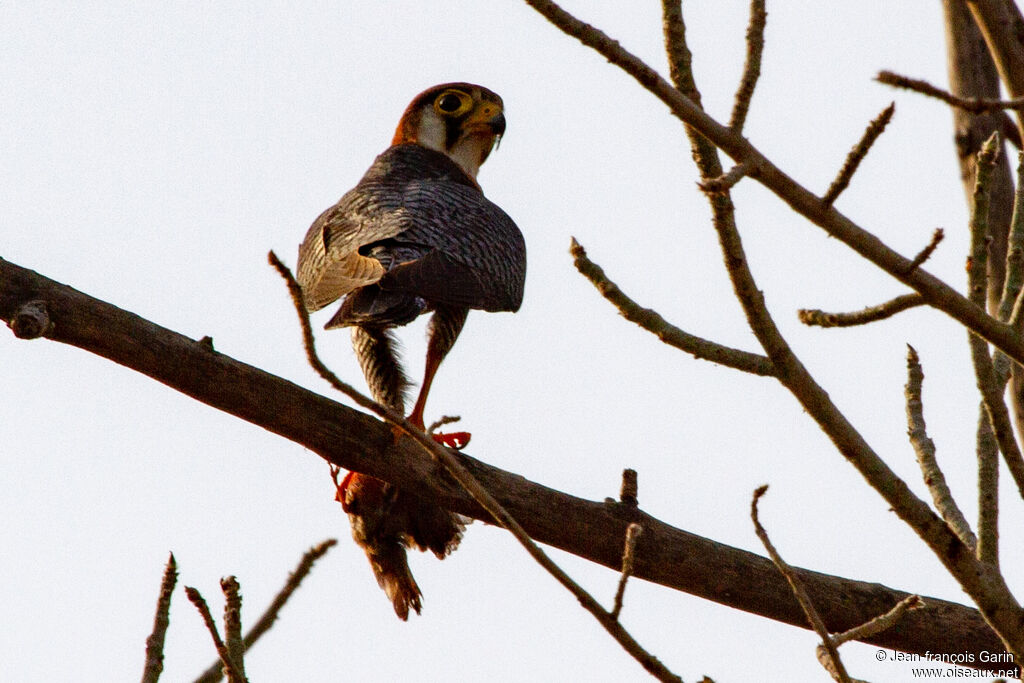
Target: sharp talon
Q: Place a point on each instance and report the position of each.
(456, 440)
(340, 486)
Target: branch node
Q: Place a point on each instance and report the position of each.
(628, 491)
(725, 182)
(31, 320)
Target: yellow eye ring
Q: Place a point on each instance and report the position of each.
(453, 103)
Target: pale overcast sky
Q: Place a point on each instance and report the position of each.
(151, 155)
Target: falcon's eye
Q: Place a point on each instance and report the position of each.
(453, 103)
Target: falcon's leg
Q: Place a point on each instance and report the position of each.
(375, 349)
(442, 331)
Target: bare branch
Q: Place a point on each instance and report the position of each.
(924, 449)
(988, 490)
(232, 673)
(233, 623)
(988, 383)
(725, 182)
(267, 619)
(926, 253)
(937, 293)
(633, 532)
(857, 154)
(993, 414)
(1014, 281)
(834, 665)
(629, 490)
(752, 66)
(975, 105)
(880, 623)
(651, 321)
(590, 529)
(155, 642)
(870, 314)
(472, 486)
(1002, 26)
(31, 320)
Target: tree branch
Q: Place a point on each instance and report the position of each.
(155, 642)
(214, 673)
(974, 105)
(857, 154)
(471, 485)
(924, 449)
(937, 293)
(592, 530)
(752, 65)
(830, 659)
(870, 314)
(652, 321)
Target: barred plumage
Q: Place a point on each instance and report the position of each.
(415, 235)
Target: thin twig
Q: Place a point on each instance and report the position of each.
(751, 67)
(857, 154)
(633, 532)
(155, 642)
(870, 314)
(724, 183)
(924, 449)
(925, 253)
(196, 598)
(880, 623)
(806, 604)
(471, 485)
(652, 321)
(988, 491)
(975, 105)
(213, 672)
(441, 422)
(233, 622)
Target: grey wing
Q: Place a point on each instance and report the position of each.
(474, 255)
(330, 265)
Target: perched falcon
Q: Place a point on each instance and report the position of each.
(416, 235)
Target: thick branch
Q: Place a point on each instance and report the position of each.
(972, 74)
(592, 530)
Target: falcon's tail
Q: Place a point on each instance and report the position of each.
(374, 306)
(391, 567)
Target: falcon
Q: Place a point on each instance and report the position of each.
(416, 235)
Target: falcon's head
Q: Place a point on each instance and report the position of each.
(461, 120)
